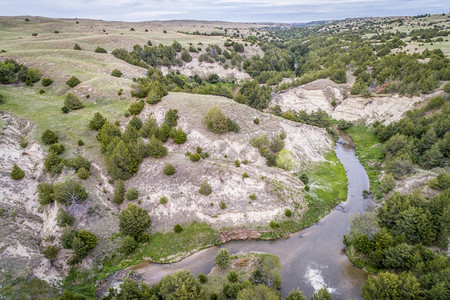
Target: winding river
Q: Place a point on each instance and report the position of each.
(310, 259)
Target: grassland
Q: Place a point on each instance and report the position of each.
(368, 150)
(162, 248)
(328, 187)
(45, 111)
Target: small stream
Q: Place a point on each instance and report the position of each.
(310, 259)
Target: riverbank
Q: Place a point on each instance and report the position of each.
(310, 259)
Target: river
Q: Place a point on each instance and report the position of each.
(310, 259)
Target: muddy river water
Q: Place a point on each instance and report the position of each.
(310, 259)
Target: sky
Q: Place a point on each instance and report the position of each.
(288, 11)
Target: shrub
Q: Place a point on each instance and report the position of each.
(24, 144)
(76, 47)
(134, 220)
(41, 91)
(295, 295)
(100, 50)
(177, 228)
(69, 191)
(129, 244)
(156, 148)
(63, 218)
(171, 117)
(31, 76)
(199, 150)
(387, 184)
(67, 237)
(73, 81)
(256, 121)
(46, 81)
(233, 126)
(80, 162)
(49, 137)
(132, 194)
(53, 163)
(80, 143)
(237, 163)
(202, 278)
(97, 121)
(136, 107)
(223, 259)
(83, 243)
(169, 169)
(447, 88)
(45, 193)
(83, 173)
(50, 252)
(288, 213)
(441, 182)
(179, 136)
(274, 225)
(194, 157)
(205, 188)
(222, 205)
(116, 73)
(72, 101)
(304, 178)
(119, 192)
(245, 175)
(58, 148)
(216, 121)
(252, 196)
(17, 173)
(163, 200)
(34, 34)
(65, 109)
(232, 276)
(185, 56)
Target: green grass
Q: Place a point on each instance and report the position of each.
(328, 182)
(22, 288)
(162, 248)
(45, 111)
(368, 150)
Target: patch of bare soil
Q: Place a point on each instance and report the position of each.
(21, 219)
(204, 69)
(323, 93)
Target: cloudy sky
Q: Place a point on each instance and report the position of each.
(224, 10)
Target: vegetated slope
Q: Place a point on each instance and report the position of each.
(29, 228)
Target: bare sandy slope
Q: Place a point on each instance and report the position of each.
(308, 144)
(321, 93)
(22, 222)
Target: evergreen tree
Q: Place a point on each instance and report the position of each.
(97, 121)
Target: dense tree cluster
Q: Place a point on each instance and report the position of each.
(395, 238)
(422, 138)
(11, 71)
(124, 151)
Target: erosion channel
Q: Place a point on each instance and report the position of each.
(311, 258)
